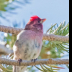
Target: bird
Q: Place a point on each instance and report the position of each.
(29, 42)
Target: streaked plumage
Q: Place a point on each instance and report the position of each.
(29, 42)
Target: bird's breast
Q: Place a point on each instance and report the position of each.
(28, 45)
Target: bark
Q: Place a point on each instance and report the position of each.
(49, 37)
(29, 63)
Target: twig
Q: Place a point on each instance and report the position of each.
(29, 63)
(50, 37)
(9, 29)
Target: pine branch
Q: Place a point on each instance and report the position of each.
(50, 37)
(4, 50)
(29, 63)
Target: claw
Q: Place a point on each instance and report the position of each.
(34, 60)
(19, 60)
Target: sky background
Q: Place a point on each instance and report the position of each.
(55, 11)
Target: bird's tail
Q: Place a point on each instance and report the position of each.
(19, 68)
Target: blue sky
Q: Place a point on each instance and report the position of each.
(55, 11)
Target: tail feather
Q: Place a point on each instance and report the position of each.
(19, 68)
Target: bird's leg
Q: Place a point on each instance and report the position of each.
(34, 60)
(19, 60)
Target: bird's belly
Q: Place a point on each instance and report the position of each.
(29, 49)
(30, 53)
(32, 50)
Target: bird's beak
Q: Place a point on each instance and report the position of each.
(43, 20)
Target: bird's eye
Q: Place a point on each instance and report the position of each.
(38, 21)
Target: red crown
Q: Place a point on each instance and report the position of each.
(34, 17)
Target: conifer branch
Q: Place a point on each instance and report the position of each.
(29, 63)
(50, 37)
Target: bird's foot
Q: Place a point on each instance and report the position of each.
(34, 60)
(19, 60)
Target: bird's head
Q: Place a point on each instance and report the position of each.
(35, 23)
